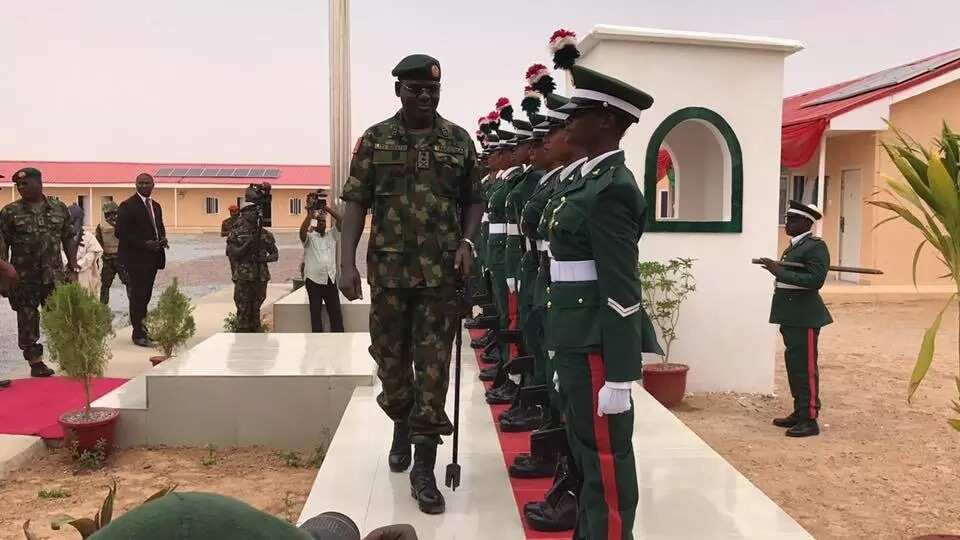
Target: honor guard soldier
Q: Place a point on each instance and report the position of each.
(34, 230)
(799, 310)
(250, 247)
(596, 325)
(417, 172)
(106, 234)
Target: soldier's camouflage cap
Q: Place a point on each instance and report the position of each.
(417, 67)
(27, 172)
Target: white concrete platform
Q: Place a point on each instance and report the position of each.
(280, 390)
(687, 490)
(15, 450)
(292, 312)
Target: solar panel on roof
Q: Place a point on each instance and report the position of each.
(194, 172)
(256, 173)
(241, 172)
(210, 172)
(271, 173)
(887, 78)
(178, 172)
(163, 172)
(225, 172)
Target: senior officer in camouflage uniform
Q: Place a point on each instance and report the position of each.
(418, 174)
(106, 234)
(799, 310)
(595, 322)
(250, 247)
(34, 229)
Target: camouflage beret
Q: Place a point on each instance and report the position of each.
(417, 67)
(27, 172)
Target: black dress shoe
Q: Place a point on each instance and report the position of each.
(400, 454)
(489, 373)
(492, 356)
(4, 383)
(143, 342)
(528, 419)
(561, 515)
(503, 394)
(804, 428)
(40, 370)
(787, 421)
(527, 466)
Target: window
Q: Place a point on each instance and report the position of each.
(694, 174)
(212, 205)
(295, 205)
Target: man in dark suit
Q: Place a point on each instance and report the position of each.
(142, 241)
(799, 310)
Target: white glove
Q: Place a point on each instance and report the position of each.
(512, 285)
(556, 381)
(614, 398)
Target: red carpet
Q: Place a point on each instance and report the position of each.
(32, 406)
(511, 444)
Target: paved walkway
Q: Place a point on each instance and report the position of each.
(130, 360)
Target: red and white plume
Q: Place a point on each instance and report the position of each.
(535, 73)
(563, 45)
(502, 103)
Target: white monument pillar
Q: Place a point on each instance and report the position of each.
(340, 143)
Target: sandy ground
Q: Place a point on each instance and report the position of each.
(255, 475)
(881, 469)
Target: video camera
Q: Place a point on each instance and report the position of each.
(259, 194)
(316, 200)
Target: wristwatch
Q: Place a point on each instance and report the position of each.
(473, 248)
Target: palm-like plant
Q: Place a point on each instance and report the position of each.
(928, 198)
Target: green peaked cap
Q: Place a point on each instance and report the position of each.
(594, 89)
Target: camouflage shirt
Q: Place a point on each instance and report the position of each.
(248, 263)
(416, 185)
(33, 238)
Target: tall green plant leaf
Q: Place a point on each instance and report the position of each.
(916, 260)
(927, 348)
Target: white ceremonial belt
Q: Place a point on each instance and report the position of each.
(573, 270)
(543, 245)
(498, 228)
(513, 229)
(792, 287)
(531, 245)
(485, 218)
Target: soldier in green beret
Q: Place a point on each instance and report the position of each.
(33, 231)
(595, 322)
(106, 234)
(799, 310)
(417, 172)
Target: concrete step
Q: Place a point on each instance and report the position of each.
(292, 313)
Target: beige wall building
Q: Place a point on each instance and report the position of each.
(917, 98)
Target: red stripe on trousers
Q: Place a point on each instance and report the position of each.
(513, 314)
(601, 432)
(812, 372)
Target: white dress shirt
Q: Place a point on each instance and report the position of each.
(320, 256)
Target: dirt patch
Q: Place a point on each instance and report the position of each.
(256, 475)
(881, 468)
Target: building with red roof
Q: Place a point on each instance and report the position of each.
(194, 196)
(835, 133)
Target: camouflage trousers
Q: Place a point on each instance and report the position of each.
(111, 269)
(411, 336)
(26, 300)
(249, 295)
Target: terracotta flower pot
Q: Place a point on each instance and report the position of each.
(666, 382)
(155, 360)
(86, 432)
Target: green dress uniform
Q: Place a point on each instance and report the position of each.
(799, 310)
(415, 184)
(518, 248)
(250, 247)
(497, 247)
(34, 237)
(595, 321)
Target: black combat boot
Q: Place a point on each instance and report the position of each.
(787, 421)
(423, 483)
(400, 449)
(39, 369)
(530, 466)
(488, 374)
(804, 428)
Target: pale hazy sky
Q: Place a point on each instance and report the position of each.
(246, 80)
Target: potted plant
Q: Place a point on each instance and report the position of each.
(78, 329)
(171, 323)
(665, 287)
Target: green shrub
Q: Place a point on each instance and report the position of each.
(665, 287)
(171, 323)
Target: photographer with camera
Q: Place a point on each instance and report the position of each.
(320, 261)
(250, 247)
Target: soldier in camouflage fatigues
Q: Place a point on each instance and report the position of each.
(250, 247)
(417, 172)
(106, 234)
(34, 230)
